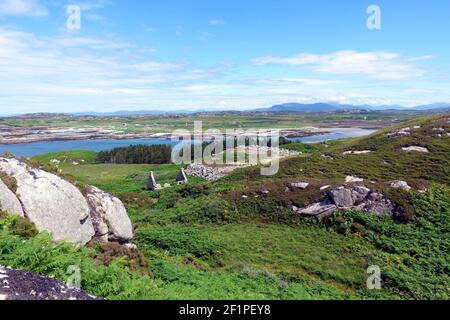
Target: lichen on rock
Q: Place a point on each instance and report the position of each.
(57, 206)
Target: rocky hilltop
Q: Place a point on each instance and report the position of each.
(55, 205)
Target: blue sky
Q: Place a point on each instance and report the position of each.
(220, 54)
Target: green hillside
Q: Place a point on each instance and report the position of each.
(386, 160)
(205, 241)
(68, 157)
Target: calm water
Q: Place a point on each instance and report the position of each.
(35, 148)
(336, 133)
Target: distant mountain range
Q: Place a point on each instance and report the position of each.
(287, 107)
(332, 107)
(441, 107)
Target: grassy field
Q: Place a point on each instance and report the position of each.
(67, 158)
(220, 120)
(203, 241)
(123, 178)
(114, 178)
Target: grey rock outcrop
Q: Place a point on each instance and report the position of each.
(51, 203)
(9, 201)
(398, 184)
(342, 197)
(377, 205)
(320, 209)
(359, 194)
(352, 179)
(403, 132)
(55, 205)
(349, 198)
(109, 216)
(416, 149)
(357, 152)
(299, 185)
(22, 285)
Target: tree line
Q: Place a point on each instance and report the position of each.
(137, 154)
(154, 154)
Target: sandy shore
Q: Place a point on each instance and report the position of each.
(12, 135)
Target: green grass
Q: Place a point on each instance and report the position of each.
(310, 148)
(204, 241)
(122, 178)
(170, 280)
(413, 258)
(296, 252)
(67, 158)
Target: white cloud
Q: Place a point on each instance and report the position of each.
(379, 65)
(93, 4)
(204, 36)
(207, 87)
(148, 28)
(30, 8)
(426, 57)
(70, 72)
(87, 8)
(302, 81)
(95, 17)
(92, 43)
(216, 22)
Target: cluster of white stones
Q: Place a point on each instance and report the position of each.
(416, 149)
(211, 173)
(357, 152)
(282, 153)
(403, 132)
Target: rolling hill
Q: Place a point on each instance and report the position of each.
(333, 107)
(238, 238)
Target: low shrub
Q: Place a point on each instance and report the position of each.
(170, 201)
(403, 200)
(214, 210)
(7, 154)
(42, 256)
(266, 210)
(302, 147)
(18, 226)
(136, 199)
(9, 181)
(414, 257)
(178, 241)
(134, 259)
(203, 210)
(194, 190)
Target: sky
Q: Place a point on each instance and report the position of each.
(220, 54)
